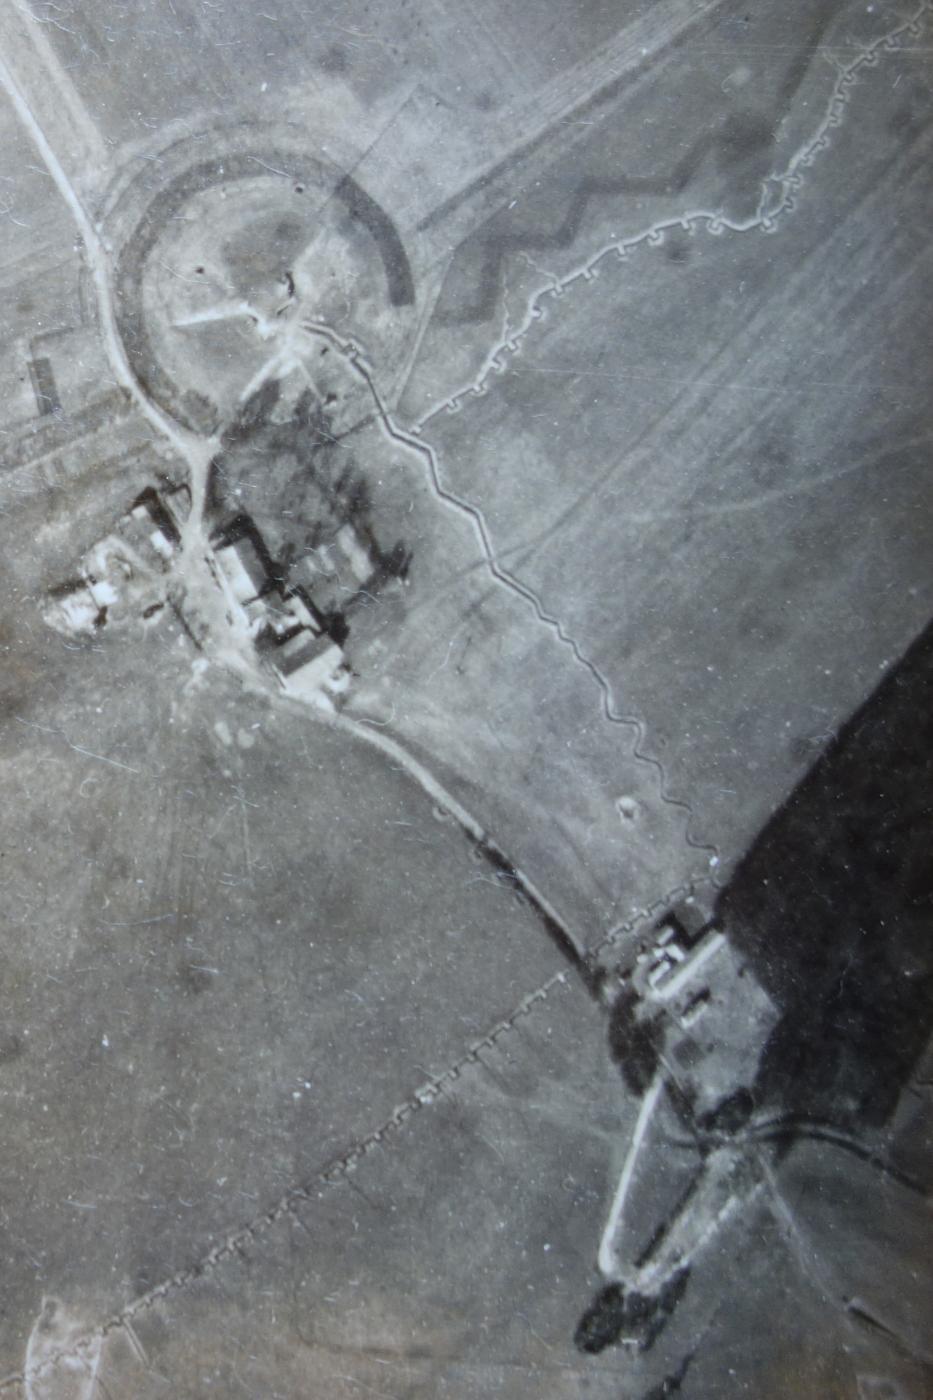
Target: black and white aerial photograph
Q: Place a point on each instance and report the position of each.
(466, 699)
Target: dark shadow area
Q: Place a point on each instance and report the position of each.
(832, 909)
(829, 917)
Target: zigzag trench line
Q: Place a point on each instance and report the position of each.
(765, 219)
(770, 210)
(354, 357)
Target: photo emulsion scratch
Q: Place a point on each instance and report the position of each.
(465, 704)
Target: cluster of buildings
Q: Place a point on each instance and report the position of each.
(690, 995)
(123, 575)
(689, 1025)
(299, 638)
(298, 628)
(297, 614)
